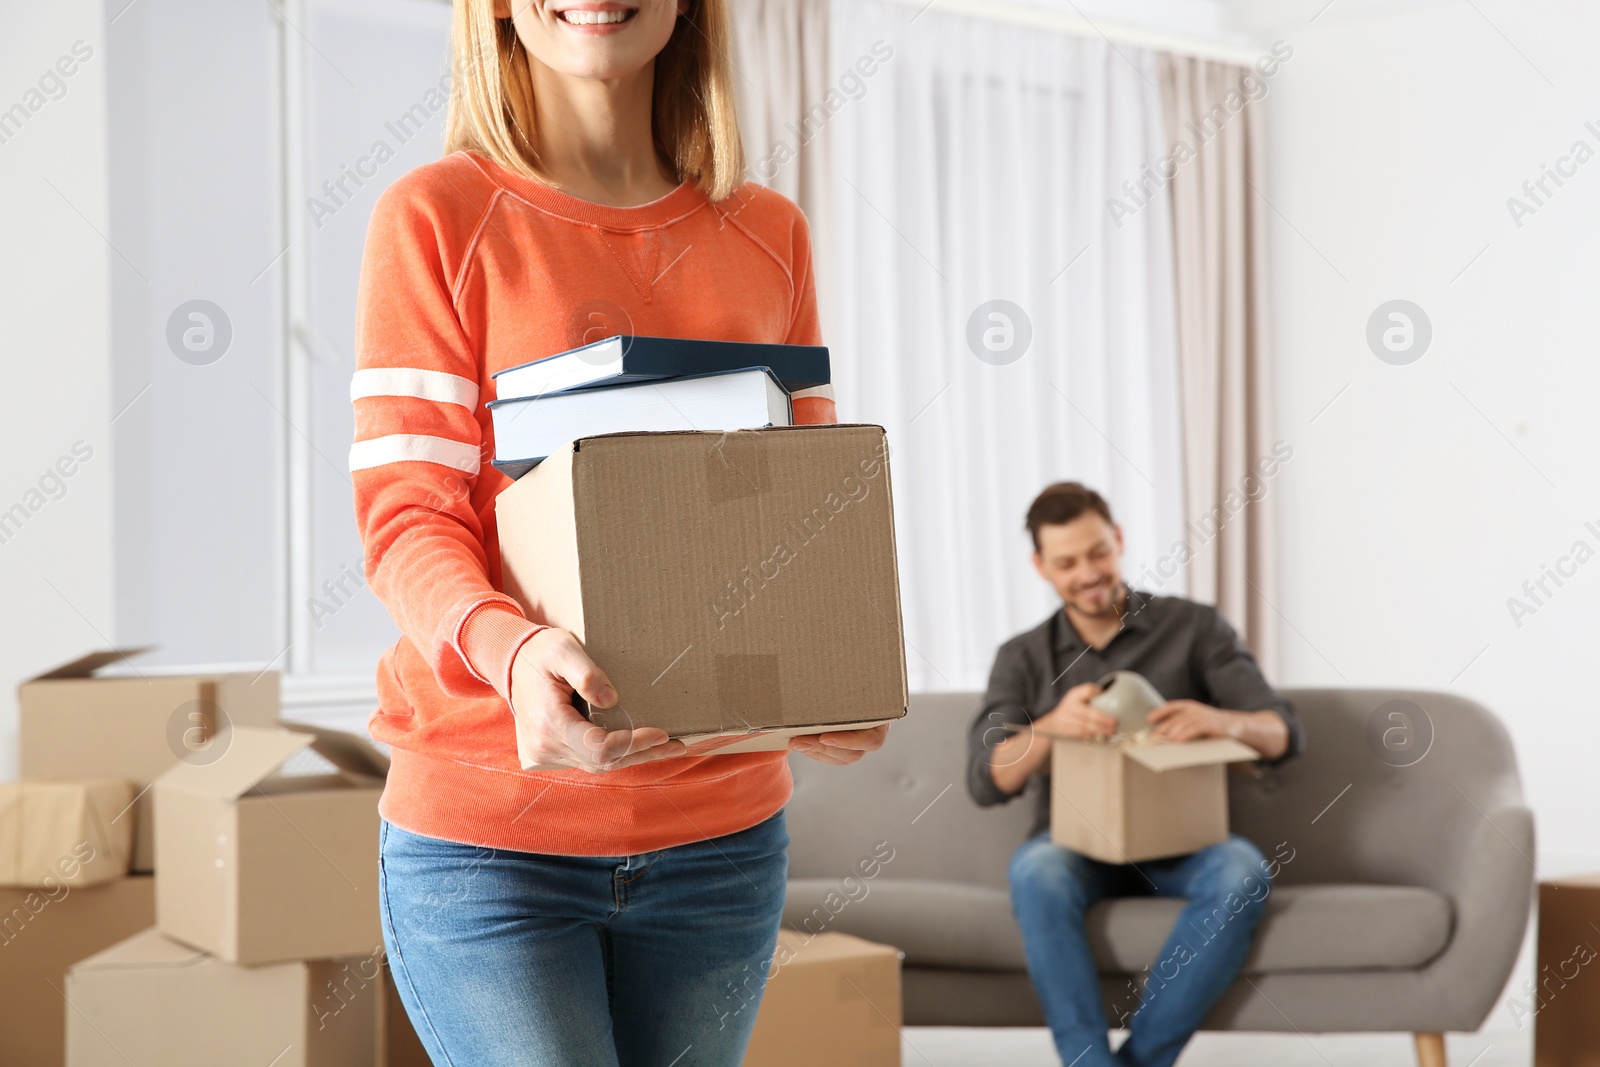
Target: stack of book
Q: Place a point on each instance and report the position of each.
(632, 384)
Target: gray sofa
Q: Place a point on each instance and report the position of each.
(1403, 908)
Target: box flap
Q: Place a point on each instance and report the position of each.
(252, 755)
(147, 948)
(1173, 756)
(349, 753)
(85, 666)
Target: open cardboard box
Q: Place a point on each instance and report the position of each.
(258, 866)
(1124, 803)
(738, 588)
(81, 721)
(152, 1000)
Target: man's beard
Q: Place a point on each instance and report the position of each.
(1111, 608)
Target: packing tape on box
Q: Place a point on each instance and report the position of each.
(736, 467)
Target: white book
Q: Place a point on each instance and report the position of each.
(529, 429)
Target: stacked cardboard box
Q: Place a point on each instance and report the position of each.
(266, 915)
(43, 932)
(266, 944)
(70, 831)
(78, 722)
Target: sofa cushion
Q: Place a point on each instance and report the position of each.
(1307, 927)
(936, 924)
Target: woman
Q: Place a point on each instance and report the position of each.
(623, 911)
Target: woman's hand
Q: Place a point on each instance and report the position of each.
(840, 746)
(549, 666)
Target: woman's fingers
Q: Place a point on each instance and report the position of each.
(862, 740)
(646, 754)
(560, 666)
(566, 659)
(840, 747)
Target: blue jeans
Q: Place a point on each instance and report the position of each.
(1226, 886)
(511, 959)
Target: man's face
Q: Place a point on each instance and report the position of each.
(1082, 559)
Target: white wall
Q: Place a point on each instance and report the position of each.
(195, 209)
(1423, 497)
(55, 554)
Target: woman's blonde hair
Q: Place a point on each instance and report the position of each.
(695, 126)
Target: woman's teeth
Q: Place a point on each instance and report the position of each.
(594, 18)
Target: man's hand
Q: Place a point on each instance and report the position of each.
(840, 747)
(1190, 720)
(548, 667)
(1074, 716)
(1024, 753)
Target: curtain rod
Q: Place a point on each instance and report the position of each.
(1080, 26)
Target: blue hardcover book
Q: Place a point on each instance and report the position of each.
(620, 359)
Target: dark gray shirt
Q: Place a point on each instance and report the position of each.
(1185, 649)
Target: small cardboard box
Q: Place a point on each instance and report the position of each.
(1124, 803)
(64, 832)
(77, 723)
(259, 866)
(152, 1000)
(42, 933)
(830, 999)
(1564, 1001)
(738, 588)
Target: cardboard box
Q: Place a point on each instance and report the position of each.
(73, 724)
(738, 588)
(64, 832)
(151, 1000)
(1124, 803)
(42, 933)
(259, 866)
(830, 999)
(1564, 1001)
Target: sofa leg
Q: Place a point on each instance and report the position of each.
(1430, 1050)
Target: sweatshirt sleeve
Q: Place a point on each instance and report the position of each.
(419, 445)
(812, 407)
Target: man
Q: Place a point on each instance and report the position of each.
(1046, 678)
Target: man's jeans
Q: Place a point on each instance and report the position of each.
(1226, 886)
(510, 959)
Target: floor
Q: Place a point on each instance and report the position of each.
(926, 1046)
(1498, 1044)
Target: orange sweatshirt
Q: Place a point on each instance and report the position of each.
(469, 269)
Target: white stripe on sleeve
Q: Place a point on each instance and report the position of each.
(414, 447)
(434, 385)
(824, 391)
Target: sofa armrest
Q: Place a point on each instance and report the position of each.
(1489, 878)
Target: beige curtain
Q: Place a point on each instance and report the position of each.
(780, 61)
(1218, 246)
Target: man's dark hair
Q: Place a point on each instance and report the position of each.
(1063, 502)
